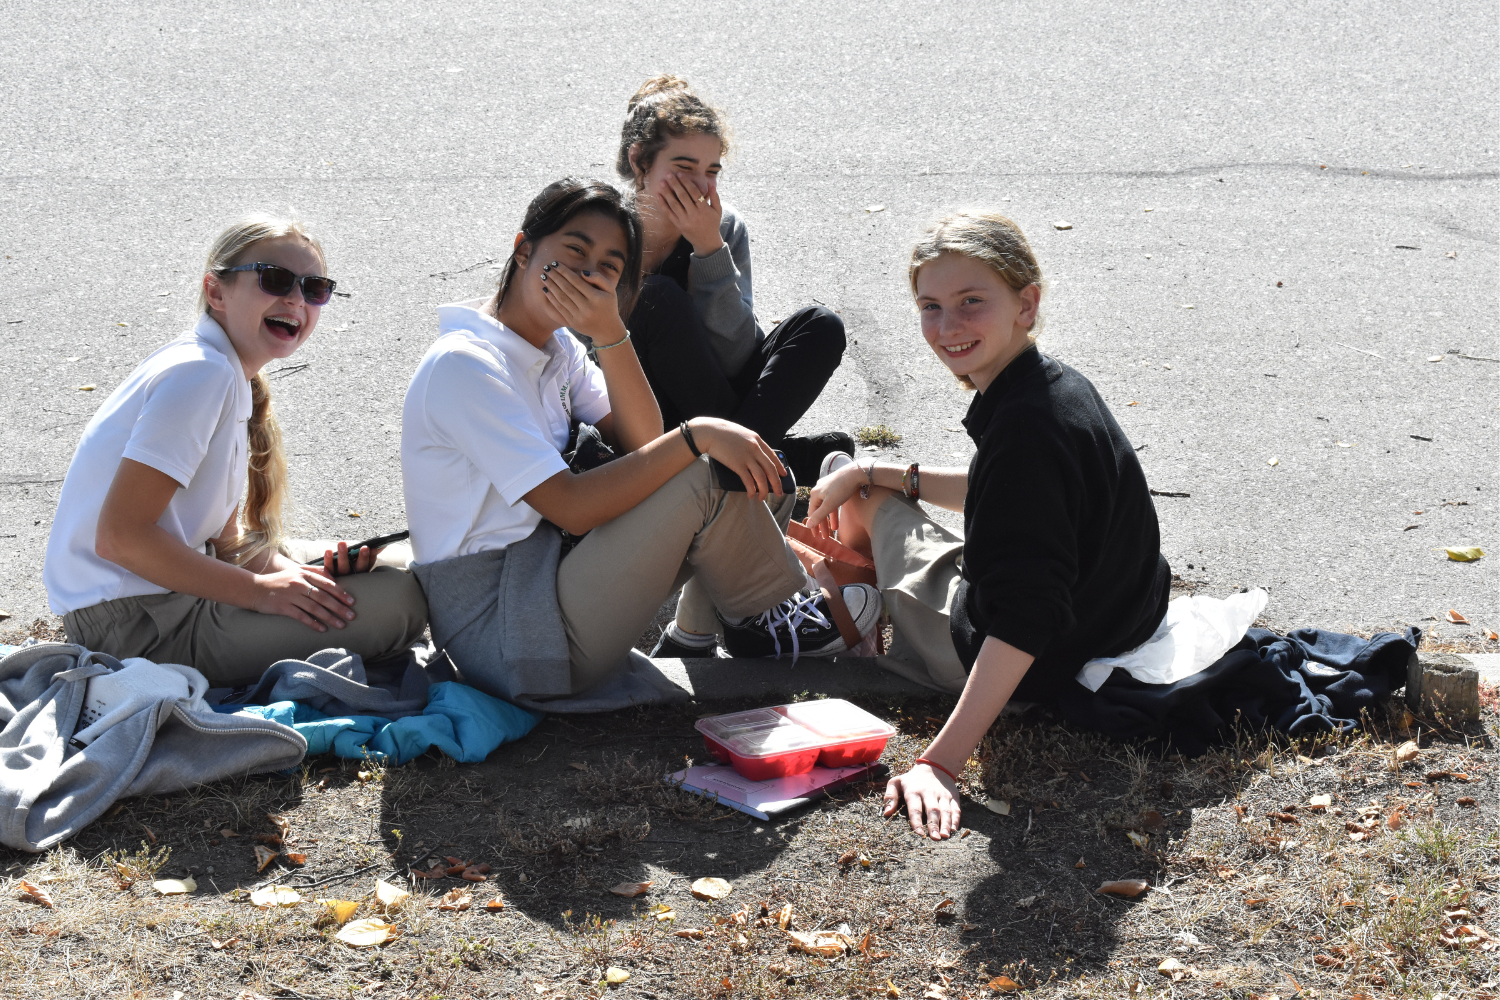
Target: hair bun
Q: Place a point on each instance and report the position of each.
(663, 84)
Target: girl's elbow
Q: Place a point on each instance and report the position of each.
(106, 543)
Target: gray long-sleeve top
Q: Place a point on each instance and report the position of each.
(720, 287)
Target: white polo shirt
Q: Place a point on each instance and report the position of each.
(485, 422)
(184, 411)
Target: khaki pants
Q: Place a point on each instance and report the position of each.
(611, 585)
(916, 565)
(232, 646)
(695, 609)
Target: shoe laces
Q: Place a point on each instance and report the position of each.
(793, 612)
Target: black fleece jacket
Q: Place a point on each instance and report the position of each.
(1062, 551)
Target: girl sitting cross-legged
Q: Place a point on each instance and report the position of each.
(486, 422)
(1059, 561)
(152, 551)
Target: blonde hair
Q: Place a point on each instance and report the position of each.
(261, 518)
(985, 236)
(665, 107)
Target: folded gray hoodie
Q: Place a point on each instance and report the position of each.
(148, 738)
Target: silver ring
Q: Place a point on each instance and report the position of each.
(700, 199)
(312, 591)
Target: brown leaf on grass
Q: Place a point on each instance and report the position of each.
(1284, 817)
(227, 833)
(1467, 936)
(263, 857)
(296, 857)
(455, 899)
(1328, 961)
(1396, 819)
(1492, 636)
(149, 835)
(1173, 969)
(1125, 887)
(1465, 800)
(495, 905)
(281, 823)
(1407, 752)
(33, 893)
(438, 872)
(691, 933)
(942, 906)
(269, 838)
(473, 874)
(1080, 864)
(784, 917)
(218, 945)
(824, 944)
(848, 858)
(1254, 902)
(629, 889)
(1456, 618)
(711, 888)
(1151, 820)
(1002, 984)
(457, 869)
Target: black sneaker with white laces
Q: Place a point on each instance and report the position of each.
(669, 648)
(802, 626)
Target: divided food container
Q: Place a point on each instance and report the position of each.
(766, 743)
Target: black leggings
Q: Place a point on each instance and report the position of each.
(777, 385)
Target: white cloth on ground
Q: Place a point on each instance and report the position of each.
(1194, 633)
(110, 698)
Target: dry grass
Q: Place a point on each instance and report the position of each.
(1255, 891)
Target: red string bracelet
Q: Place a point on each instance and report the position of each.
(934, 764)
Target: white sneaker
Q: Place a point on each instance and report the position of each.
(833, 462)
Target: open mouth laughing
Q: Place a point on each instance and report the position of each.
(283, 327)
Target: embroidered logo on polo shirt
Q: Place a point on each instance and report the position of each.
(564, 395)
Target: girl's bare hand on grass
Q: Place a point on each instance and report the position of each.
(305, 593)
(742, 451)
(931, 801)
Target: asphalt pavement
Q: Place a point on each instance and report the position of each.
(1280, 270)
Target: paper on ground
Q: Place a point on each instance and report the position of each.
(1194, 633)
(764, 799)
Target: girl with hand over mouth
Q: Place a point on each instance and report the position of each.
(1059, 561)
(486, 420)
(152, 552)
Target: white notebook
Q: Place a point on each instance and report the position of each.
(764, 799)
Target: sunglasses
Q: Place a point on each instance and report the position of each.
(278, 281)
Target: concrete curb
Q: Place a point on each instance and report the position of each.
(731, 679)
(1488, 665)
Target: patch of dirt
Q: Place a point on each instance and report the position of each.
(1252, 886)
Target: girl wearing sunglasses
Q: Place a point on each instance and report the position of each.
(486, 419)
(158, 548)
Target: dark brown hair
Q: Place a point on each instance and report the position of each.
(559, 202)
(665, 107)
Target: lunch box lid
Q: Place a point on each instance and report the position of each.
(808, 725)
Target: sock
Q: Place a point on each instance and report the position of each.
(690, 639)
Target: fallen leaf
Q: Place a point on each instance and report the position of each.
(1456, 618)
(1407, 752)
(175, 887)
(363, 775)
(353, 513)
(296, 857)
(1080, 864)
(847, 858)
(784, 917)
(1328, 961)
(1396, 819)
(281, 823)
(1022, 904)
(1466, 800)
(1467, 553)
(614, 975)
(340, 909)
(366, 933)
(578, 765)
(85, 388)
(1125, 887)
(1140, 840)
(217, 945)
(1273, 461)
(1451, 254)
(874, 208)
(711, 888)
(495, 905)
(891, 990)
(999, 807)
(388, 895)
(33, 893)
(1003, 984)
(455, 899)
(1492, 636)
(825, 944)
(1152, 820)
(1173, 968)
(664, 914)
(475, 873)
(1062, 225)
(275, 895)
(864, 859)
(1320, 802)
(1254, 902)
(227, 833)
(935, 992)
(269, 838)
(263, 857)
(942, 906)
(691, 933)
(628, 889)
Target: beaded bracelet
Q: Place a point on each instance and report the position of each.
(605, 347)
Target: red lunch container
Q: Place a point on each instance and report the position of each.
(766, 743)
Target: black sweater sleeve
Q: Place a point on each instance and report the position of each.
(1022, 555)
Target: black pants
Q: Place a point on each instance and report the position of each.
(777, 385)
